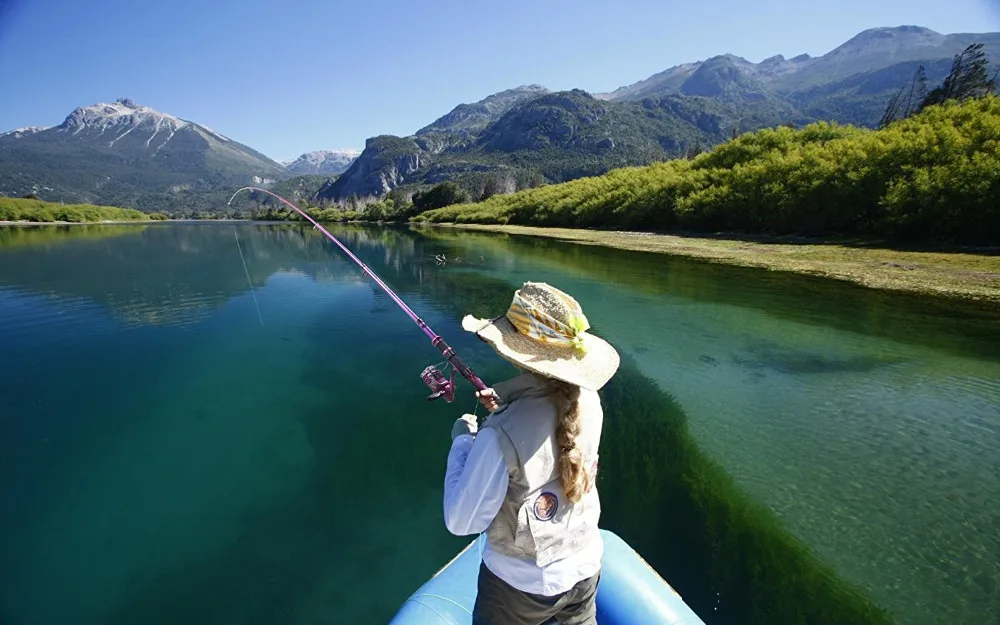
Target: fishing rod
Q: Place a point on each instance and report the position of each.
(441, 386)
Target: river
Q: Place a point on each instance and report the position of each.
(185, 439)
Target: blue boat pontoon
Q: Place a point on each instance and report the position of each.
(630, 591)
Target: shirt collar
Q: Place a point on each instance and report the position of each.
(524, 385)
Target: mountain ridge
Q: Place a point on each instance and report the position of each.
(684, 108)
(869, 50)
(123, 153)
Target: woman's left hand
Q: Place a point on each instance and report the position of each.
(466, 424)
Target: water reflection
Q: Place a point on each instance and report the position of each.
(864, 426)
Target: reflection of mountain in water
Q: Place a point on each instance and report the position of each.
(178, 274)
(168, 273)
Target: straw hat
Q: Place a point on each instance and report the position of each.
(545, 331)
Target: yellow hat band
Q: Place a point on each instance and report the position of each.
(545, 328)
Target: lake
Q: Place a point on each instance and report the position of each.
(186, 438)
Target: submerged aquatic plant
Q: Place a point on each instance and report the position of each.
(729, 557)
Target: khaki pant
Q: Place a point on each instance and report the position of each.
(499, 603)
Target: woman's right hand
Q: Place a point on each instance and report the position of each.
(489, 398)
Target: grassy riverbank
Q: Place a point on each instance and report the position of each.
(24, 210)
(972, 274)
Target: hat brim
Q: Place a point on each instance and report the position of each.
(590, 370)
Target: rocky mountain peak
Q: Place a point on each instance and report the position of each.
(124, 115)
(323, 161)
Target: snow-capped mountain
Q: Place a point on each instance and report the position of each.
(123, 152)
(144, 126)
(323, 162)
(17, 133)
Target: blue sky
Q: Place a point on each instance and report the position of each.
(300, 75)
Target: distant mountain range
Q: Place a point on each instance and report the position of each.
(322, 162)
(123, 153)
(559, 136)
(126, 154)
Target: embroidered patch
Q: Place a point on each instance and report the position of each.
(545, 506)
(593, 477)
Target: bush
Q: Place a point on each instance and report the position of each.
(25, 209)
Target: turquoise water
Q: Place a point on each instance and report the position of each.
(169, 455)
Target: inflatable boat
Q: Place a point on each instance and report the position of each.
(629, 593)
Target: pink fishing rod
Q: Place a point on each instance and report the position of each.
(441, 386)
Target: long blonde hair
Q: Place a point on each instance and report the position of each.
(570, 458)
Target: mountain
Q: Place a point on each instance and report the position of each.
(322, 162)
(880, 48)
(849, 84)
(530, 134)
(550, 136)
(466, 120)
(122, 153)
(870, 50)
(389, 161)
(298, 188)
(17, 133)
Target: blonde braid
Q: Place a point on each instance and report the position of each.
(566, 397)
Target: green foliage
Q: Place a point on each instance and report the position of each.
(933, 176)
(24, 209)
(323, 215)
(439, 196)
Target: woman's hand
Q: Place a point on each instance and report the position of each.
(466, 424)
(489, 398)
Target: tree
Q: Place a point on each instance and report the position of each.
(399, 197)
(439, 196)
(496, 184)
(376, 211)
(969, 78)
(917, 94)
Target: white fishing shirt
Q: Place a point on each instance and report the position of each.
(474, 488)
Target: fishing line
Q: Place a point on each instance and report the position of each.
(441, 386)
(249, 283)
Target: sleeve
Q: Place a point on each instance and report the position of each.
(475, 483)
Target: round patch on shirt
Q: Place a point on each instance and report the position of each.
(545, 506)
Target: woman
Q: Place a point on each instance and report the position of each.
(528, 477)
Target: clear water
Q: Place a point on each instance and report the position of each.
(167, 455)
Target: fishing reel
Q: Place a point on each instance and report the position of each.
(440, 385)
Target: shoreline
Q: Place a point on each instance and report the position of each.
(111, 222)
(970, 276)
